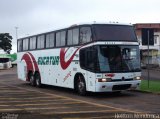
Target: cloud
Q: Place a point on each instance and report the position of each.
(36, 16)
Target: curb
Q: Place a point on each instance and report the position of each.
(146, 92)
(157, 69)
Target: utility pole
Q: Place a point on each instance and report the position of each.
(148, 61)
(16, 32)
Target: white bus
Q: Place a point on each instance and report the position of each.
(86, 57)
(5, 61)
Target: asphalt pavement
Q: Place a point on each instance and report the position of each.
(19, 100)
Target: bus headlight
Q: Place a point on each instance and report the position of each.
(104, 80)
(137, 78)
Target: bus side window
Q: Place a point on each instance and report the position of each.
(40, 41)
(86, 58)
(73, 37)
(50, 40)
(25, 44)
(32, 43)
(69, 37)
(89, 59)
(85, 35)
(63, 38)
(82, 58)
(58, 38)
(19, 45)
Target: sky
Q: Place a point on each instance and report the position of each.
(38, 16)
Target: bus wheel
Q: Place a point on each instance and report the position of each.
(117, 92)
(32, 80)
(38, 80)
(81, 85)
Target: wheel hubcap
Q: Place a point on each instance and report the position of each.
(81, 86)
(32, 79)
(37, 80)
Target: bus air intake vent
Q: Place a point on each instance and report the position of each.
(121, 87)
(122, 80)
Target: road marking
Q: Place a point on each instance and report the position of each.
(8, 98)
(103, 117)
(12, 91)
(44, 108)
(49, 98)
(26, 101)
(4, 105)
(33, 104)
(5, 88)
(87, 102)
(99, 117)
(28, 98)
(14, 109)
(84, 112)
(64, 103)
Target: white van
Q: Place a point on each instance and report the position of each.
(5, 63)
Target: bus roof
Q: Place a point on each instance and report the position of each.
(81, 24)
(105, 23)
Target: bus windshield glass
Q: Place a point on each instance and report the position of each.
(118, 58)
(114, 32)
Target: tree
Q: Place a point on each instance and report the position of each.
(5, 42)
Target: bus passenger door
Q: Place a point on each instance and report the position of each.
(88, 63)
(90, 81)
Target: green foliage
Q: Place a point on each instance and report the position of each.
(6, 42)
(154, 86)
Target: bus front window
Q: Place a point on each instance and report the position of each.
(118, 58)
(114, 33)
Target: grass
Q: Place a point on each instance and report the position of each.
(154, 86)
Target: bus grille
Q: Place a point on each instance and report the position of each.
(122, 80)
(121, 87)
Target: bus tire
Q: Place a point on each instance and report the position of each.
(117, 92)
(81, 85)
(32, 79)
(38, 80)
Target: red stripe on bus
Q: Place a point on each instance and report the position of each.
(65, 64)
(27, 59)
(34, 62)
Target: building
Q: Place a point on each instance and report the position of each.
(149, 32)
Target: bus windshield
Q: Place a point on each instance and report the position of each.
(118, 58)
(114, 32)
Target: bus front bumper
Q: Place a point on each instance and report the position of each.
(117, 86)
